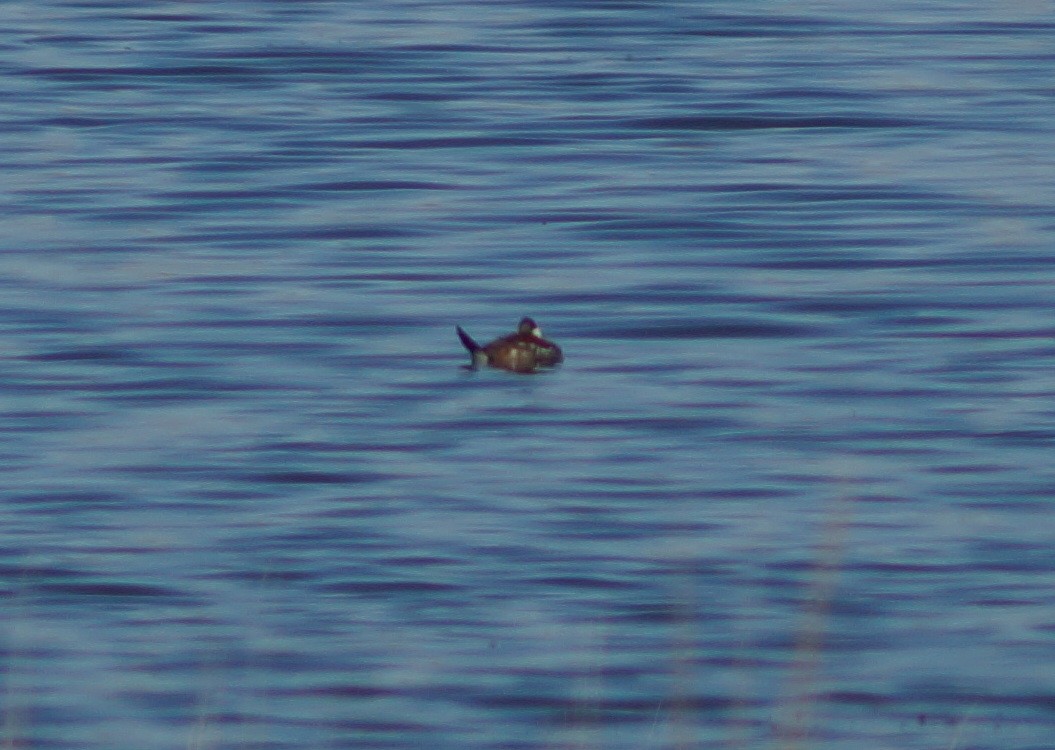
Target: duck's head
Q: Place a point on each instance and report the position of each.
(528, 327)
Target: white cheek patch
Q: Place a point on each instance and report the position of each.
(536, 332)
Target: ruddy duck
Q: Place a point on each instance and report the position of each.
(523, 351)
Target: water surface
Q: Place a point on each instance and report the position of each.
(792, 487)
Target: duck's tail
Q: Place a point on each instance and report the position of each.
(475, 350)
(467, 341)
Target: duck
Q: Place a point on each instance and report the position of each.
(524, 351)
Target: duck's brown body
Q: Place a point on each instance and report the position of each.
(523, 351)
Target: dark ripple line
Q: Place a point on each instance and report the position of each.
(771, 122)
(170, 384)
(708, 330)
(1038, 700)
(113, 590)
(1019, 437)
(999, 333)
(30, 572)
(845, 262)
(627, 709)
(335, 691)
(72, 501)
(582, 582)
(767, 27)
(876, 304)
(115, 354)
(844, 192)
(345, 232)
(458, 142)
(226, 72)
(390, 587)
(72, 121)
(369, 185)
(312, 477)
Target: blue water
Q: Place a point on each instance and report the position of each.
(793, 487)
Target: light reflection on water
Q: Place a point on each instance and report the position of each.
(790, 488)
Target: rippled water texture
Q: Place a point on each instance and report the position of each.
(792, 487)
